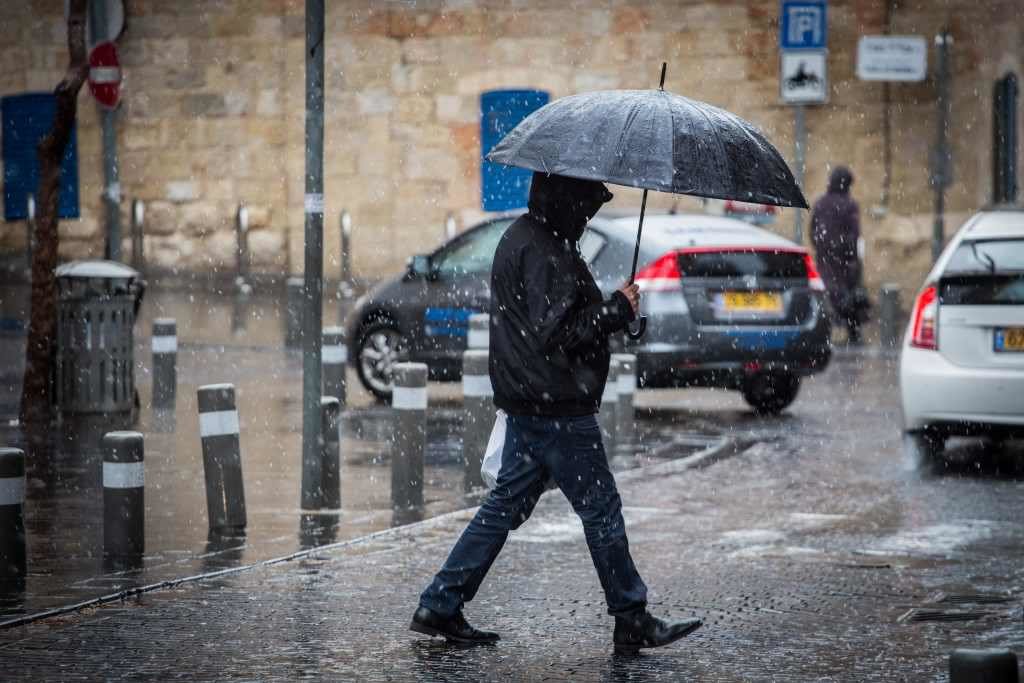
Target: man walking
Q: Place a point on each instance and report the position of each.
(548, 365)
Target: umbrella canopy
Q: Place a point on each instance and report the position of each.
(655, 140)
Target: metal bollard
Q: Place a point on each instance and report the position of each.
(138, 245)
(478, 404)
(607, 416)
(242, 248)
(124, 509)
(625, 430)
(479, 334)
(165, 362)
(409, 400)
(330, 452)
(334, 359)
(889, 316)
(991, 666)
(13, 563)
(222, 456)
(293, 312)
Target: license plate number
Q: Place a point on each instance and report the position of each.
(752, 302)
(1010, 339)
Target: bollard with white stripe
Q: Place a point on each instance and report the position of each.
(334, 359)
(608, 415)
(293, 312)
(222, 457)
(124, 509)
(165, 362)
(988, 666)
(479, 335)
(409, 401)
(625, 432)
(12, 519)
(478, 403)
(330, 452)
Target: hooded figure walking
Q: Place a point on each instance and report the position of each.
(548, 365)
(835, 232)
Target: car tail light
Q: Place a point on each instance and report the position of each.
(814, 280)
(924, 328)
(661, 275)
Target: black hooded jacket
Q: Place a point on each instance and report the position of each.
(549, 325)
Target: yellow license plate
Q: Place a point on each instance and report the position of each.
(1010, 339)
(752, 302)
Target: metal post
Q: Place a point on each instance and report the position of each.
(165, 362)
(345, 290)
(942, 166)
(478, 405)
(330, 453)
(992, 666)
(13, 563)
(30, 232)
(222, 457)
(607, 417)
(479, 335)
(111, 182)
(335, 359)
(124, 507)
(242, 248)
(625, 431)
(293, 313)
(1004, 140)
(312, 319)
(889, 316)
(409, 401)
(799, 154)
(138, 247)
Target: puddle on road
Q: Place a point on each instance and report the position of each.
(935, 540)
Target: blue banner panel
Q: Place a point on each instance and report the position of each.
(26, 119)
(504, 188)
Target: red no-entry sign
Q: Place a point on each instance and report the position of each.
(105, 75)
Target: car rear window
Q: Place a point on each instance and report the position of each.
(739, 263)
(982, 290)
(988, 256)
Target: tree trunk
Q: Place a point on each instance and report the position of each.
(36, 408)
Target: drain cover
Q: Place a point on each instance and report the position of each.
(919, 614)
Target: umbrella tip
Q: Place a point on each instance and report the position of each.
(661, 85)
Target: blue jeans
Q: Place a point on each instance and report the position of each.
(568, 449)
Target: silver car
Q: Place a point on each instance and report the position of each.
(962, 360)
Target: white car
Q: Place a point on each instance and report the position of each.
(962, 362)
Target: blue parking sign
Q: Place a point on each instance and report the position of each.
(803, 25)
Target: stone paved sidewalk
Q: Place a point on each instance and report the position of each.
(796, 581)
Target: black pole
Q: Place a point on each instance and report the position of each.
(664, 66)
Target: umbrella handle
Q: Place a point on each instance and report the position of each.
(641, 327)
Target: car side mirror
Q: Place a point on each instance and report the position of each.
(418, 266)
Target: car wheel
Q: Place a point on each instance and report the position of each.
(924, 449)
(769, 393)
(381, 344)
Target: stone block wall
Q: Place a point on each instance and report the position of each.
(214, 94)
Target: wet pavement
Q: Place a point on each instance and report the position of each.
(64, 513)
(806, 543)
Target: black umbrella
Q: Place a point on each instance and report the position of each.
(654, 140)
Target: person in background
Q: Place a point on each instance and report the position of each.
(835, 232)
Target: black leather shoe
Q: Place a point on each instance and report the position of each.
(456, 629)
(647, 630)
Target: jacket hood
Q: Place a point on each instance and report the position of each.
(840, 180)
(565, 205)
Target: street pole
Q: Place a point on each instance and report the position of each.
(799, 154)
(942, 166)
(312, 323)
(111, 179)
